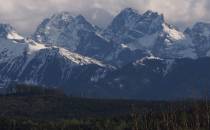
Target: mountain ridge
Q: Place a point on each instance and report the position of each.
(130, 34)
(69, 52)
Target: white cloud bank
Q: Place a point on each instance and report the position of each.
(25, 15)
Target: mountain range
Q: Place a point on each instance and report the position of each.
(138, 56)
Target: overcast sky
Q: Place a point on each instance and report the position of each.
(25, 15)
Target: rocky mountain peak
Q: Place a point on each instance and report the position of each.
(128, 11)
(130, 25)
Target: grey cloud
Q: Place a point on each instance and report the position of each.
(25, 15)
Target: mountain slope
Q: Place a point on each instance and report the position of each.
(159, 79)
(25, 61)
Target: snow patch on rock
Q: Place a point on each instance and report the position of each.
(173, 33)
(14, 36)
(79, 59)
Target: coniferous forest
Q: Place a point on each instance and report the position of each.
(35, 108)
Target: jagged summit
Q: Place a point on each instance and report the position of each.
(124, 18)
(150, 13)
(62, 26)
(63, 19)
(129, 25)
(129, 11)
